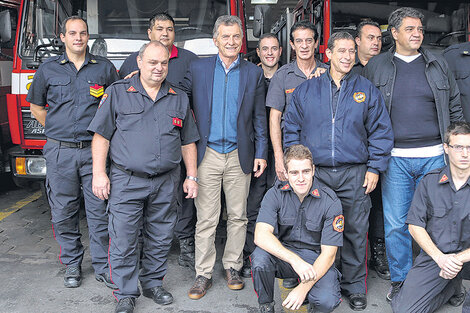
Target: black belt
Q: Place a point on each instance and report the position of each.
(79, 145)
(132, 173)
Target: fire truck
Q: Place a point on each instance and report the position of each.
(117, 28)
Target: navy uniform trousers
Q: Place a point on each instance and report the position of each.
(347, 183)
(67, 170)
(135, 204)
(425, 291)
(325, 295)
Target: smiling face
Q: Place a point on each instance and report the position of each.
(342, 56)
(300, 176)
(269, 51)
(229, 41)
(153, 65)
(409, 36)
(76, 37)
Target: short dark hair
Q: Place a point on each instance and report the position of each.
(297, 152)
(160, 16)
(303, 25)
(339, 36)
(63, 28)
(457, 128)
(364, 23)
(268, 35)
(396, 17)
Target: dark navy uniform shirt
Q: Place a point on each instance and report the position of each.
(458, 57)
(442, 210)
(72, 95)
(177, 66)
(146, 136)
(317, 221)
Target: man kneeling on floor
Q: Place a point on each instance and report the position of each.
(439, 221)
(298, 231)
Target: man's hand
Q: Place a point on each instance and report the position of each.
(450, 265)
(259, 166)
(101, 185)
(370, 182)
(317, 73)
(280, 169)
(304, 270)
(190, 187)
(295, 298)
(131, 74)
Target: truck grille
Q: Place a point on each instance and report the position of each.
(31, 127)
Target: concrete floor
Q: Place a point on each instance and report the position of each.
(31, 276)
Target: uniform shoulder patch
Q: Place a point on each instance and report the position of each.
(171, 91)
(96, 90)
(285, 187)
(359, 97)
(443, 179)
(131, 89)
(316, 193)
(177, 122)
(103, 99)
(290, 90)
(338, 223)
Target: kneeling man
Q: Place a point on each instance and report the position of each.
(298, 231)
(439, 221)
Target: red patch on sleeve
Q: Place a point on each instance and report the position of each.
(177, 122)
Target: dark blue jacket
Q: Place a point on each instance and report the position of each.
(252, 139)
(359, 133)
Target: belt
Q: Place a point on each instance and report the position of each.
(132, 173)
(79, 145)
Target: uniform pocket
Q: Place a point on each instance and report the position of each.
(60, 88)
(131, 118)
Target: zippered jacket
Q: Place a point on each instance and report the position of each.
(360, 132)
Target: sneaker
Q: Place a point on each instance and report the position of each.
(233, 279)
(394, 289)
(73, 276)
(200, 287)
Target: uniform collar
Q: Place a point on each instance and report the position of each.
(465, 51)
(345, 78)
(173, 52)
(136, 86)
(89, 58)
(314, 190)
(445, 176)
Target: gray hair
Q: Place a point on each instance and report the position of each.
(339, 36)
(152, 43)
(396, 17)
(227, 20)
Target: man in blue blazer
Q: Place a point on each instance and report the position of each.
(227, 98)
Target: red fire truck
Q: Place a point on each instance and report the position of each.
(117, 28)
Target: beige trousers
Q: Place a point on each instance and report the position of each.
(217, 170)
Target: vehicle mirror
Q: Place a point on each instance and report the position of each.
(5, 26)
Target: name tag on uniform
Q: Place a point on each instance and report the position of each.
(177, 122)
(96, 91)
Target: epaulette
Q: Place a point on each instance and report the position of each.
(328, 191)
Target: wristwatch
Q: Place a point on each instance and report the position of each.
(192, 178)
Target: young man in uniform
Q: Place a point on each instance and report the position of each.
(145, 171)
(298, 231)
(72, 85)
(439, 221)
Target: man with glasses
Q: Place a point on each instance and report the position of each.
(439, 221)
(341, 118)
(422, 98)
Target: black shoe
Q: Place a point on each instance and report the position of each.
(394, 290)
(290, 283)
(73, 276)
(357, 301)
(378, 260)
(187, 257)
(106, 279)
(159, 295)
(125, 305)
(458, 298)
(266, 307)
(246, 269)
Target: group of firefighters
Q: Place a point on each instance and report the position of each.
(293, 154)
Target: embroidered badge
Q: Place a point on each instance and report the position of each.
(103, 99)
(444, 178)
(338, 223)
(290, 90)
(359, 97)
(285, 187)
(177, 122)
(96, 91)
(131, 89)
(316, 193)
(171, 91)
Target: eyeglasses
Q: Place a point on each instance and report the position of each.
(459, 148)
